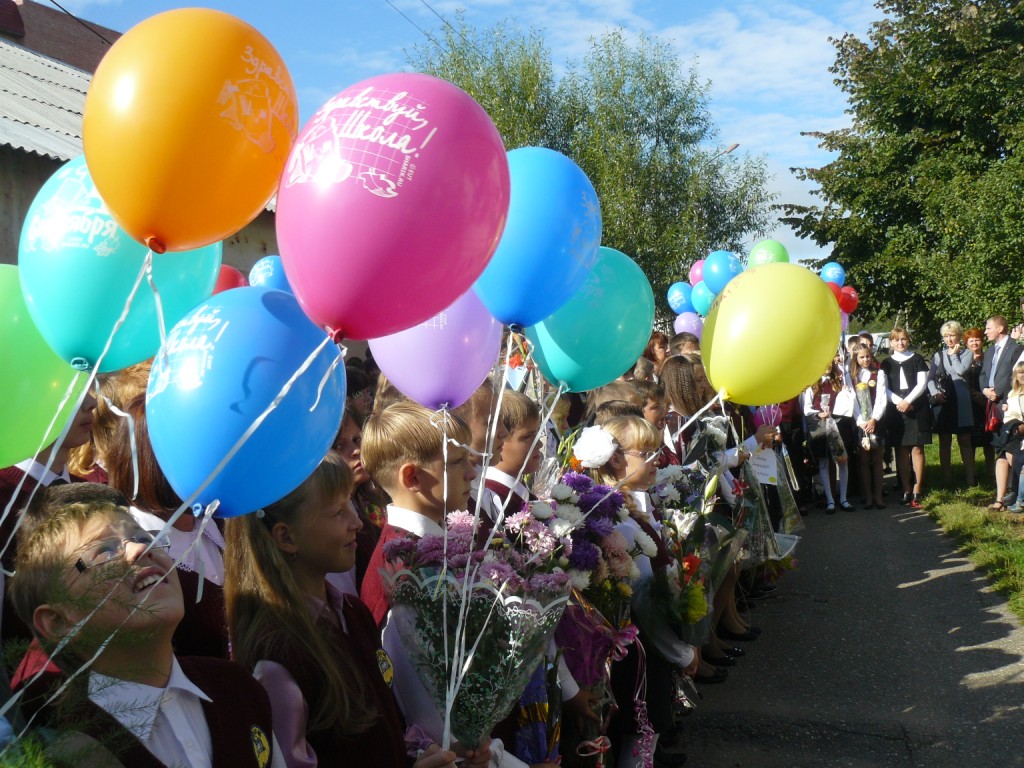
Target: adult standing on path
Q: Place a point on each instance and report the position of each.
(996, 379)
(952, 400)
(908, 419)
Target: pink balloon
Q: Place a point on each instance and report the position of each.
(767, 414)
(697, 272)
(393, 201)
(445, 359)
(689, 322)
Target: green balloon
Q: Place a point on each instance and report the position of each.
(767, 252)
(601, 331)
(33, 380)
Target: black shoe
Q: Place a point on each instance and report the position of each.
(719, 676)
(846, 506)
(907, 497)
(736, 653)
(740, 637)
(878, 506)
(719, 661)
(830, 509)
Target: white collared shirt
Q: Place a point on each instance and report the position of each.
(168, 721)
(204, 557)
(40, 473)
(413, 522)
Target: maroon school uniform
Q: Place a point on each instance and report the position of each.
(372, 591)
(238, 717)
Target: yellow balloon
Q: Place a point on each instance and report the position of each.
(187, 127)
(770, 334)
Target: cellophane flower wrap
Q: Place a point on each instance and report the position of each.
(582, 515)
(476, 624)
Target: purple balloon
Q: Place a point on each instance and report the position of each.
(689, 322)
(697, 272)
(767, 414)
(443, 360)
(845, 319)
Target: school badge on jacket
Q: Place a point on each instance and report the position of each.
(260, 746)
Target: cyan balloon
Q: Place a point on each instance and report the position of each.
(767, 252)
(601, 331)
(719, 268)
(679, 297)
(702, 298)
(78, 268)
(550, 240)
(33, 380)
(444, 360)
(220, 368)
(269, 272)
(833, 272)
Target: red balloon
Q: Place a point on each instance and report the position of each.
(229, 278)
(836, 290)
(848, 298)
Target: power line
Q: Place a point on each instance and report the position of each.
(456, 31)
(91, 29)
(417, 26)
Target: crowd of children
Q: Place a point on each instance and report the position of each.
(268, 639)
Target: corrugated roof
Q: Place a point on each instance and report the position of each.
(41, 102)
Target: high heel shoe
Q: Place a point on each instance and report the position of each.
(741, 637)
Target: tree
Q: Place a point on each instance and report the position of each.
(633, 121)
(922, 203)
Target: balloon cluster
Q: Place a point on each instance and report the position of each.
(707, 279)
(846, 295)
(400, 217)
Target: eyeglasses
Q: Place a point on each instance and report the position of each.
(108, 550)
(645, 455)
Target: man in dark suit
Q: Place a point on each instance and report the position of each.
(996, 379)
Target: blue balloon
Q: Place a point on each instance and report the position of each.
(219, 369)
(550, 240)
(833, 273)
(719, 268)
(601, 330)
(78, 268)
(679, 298)
(702, 298)
(269, 272)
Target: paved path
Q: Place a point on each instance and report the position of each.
(884, 648)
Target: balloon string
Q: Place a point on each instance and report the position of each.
(78, 404)
(157, 302)
(132, 443)
(257, 422)
(719, 398)
(326, 377)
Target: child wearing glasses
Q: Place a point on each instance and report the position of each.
(102, 596)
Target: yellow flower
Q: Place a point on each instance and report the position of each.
(625, 589)
(861, 385)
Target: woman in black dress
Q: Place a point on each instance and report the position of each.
(974, 339)
(908, 419)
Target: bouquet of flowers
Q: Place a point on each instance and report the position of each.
(476, 624)
(863, 390)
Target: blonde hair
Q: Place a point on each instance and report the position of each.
(406, 432)
(1017, 388)
(855, 368)
(952, 326)
(898, 331)
(518, 410)
(268, 613)
(632, 433)
(45, 549)
(616, 390)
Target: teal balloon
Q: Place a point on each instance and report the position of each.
(767, 252)
(601, 330)
(702, 298)
(78, 267)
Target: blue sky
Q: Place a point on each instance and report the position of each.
(767, 61)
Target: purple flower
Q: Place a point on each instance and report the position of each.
(539, 539)
(400, 549)
(460, 522)
(549, 582)
(430, 550)
(584, 555)
(516, 523)
(497, 572)
(577, 481)
(599, 526)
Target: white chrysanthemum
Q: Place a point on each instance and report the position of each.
(634, 572)
(646, 543)
(563, 561)
(670, 494)
(562, 492)
(561, 528)
(622, 512)
(579, 579)
(542, 510)
(594, 447)
(669, 474)
(570, 513)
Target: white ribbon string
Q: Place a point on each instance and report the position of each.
(132, 442)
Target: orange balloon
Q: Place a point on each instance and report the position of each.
(187, 126)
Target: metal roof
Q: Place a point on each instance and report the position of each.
(41, 102)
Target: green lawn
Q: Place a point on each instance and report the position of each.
(993, 540)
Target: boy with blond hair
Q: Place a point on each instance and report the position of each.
(103, 596)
